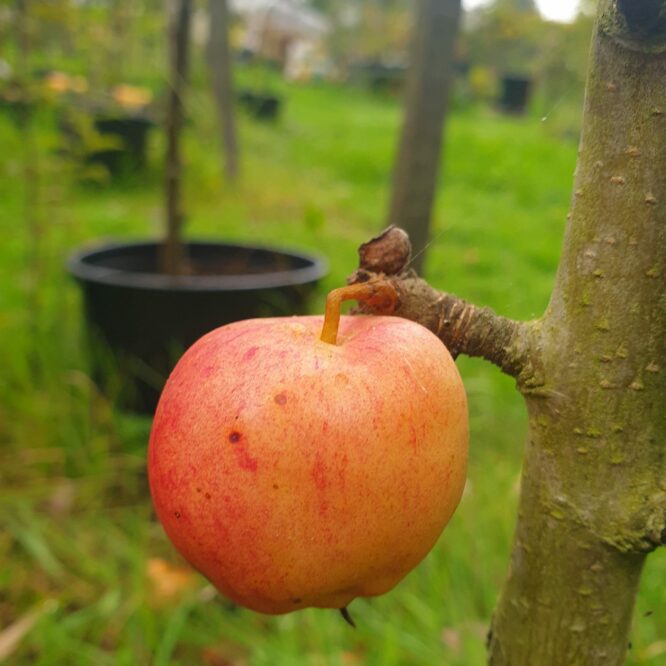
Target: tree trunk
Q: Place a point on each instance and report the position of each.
(219, 61)
(417, 161)
(32, 217)
(173, 252)
(593, 495)
(117, 51)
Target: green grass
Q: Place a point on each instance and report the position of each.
(78, 529)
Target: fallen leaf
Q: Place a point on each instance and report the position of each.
(62, 499)
(351, 658)
(169, 582)
(653, 650)
(223, 655)
(451, 638)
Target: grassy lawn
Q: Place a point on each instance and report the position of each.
(83, 561)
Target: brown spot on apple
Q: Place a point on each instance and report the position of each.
(280, 399)
(234, 437)
(341, 379)
(177, 514)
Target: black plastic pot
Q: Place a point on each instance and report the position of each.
(129, 133)
(261, 105)
(144, 320)
(132, 135)
(515, 94)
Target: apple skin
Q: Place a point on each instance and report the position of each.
(292, 472)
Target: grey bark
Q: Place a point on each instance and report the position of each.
(419, 151)
(219, 62)
(593, 500)
(32, 218)
(173, 251)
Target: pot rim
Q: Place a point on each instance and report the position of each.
(79, 265)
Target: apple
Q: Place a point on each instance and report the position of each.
(294, 470)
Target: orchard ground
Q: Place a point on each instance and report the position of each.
(83, 561)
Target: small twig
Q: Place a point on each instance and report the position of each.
(463, 327)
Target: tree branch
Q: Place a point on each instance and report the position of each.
(463, 327)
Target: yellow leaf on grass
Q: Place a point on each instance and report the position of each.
(656, 649)
(169, 582)
(223, 655)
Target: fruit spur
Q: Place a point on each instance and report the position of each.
(306, 461)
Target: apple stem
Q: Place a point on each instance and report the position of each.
(377, 292)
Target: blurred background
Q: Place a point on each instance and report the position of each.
(270, 129)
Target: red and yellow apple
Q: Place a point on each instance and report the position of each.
(294, 471)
